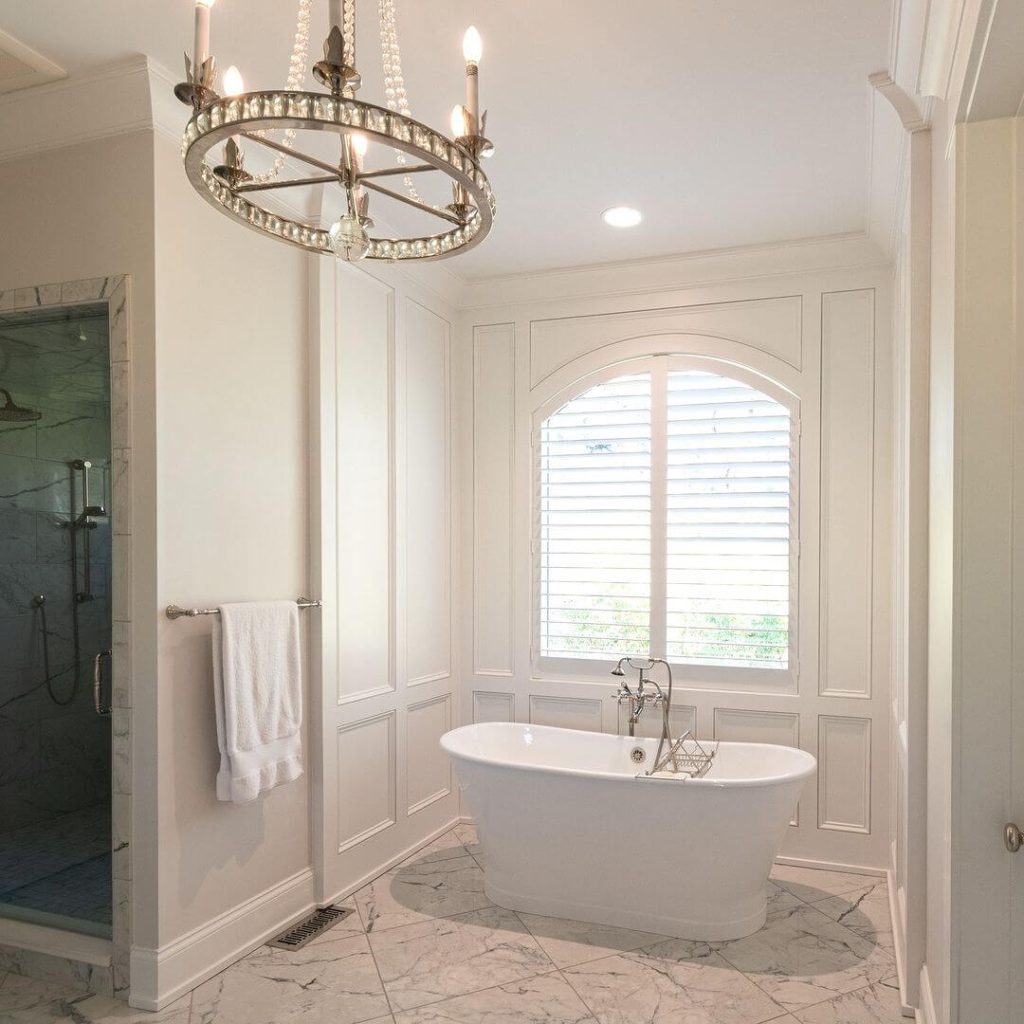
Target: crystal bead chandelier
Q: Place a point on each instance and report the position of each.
(282, 121)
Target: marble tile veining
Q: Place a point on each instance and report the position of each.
(670, 982)
(547, 999)
(874, 1004)
(803, 957)
(575, 942)
(28, 1001)
(434, 960)
(865, 911)
(422, 890)
(333, 980)
(811, 884)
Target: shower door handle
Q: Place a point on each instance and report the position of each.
(97, 683)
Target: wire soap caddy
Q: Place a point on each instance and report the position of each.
(685, 756)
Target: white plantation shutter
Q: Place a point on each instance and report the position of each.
(678, 480)
(728, 523)
(595, 523)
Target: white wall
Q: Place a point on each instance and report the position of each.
(824, 335)
(232, 399)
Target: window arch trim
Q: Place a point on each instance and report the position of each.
(755, 679)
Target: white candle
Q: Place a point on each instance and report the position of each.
(233, 85)
(201, 49)
(335, 14)
(472, 50)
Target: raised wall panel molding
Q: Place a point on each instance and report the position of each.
(844, 774)
(493, 707)
(847, 493)
(426, 495)
(493, 497)
(429, 768)
(364, 530)
(366, 757)
(566, 712)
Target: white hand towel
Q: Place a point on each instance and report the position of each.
(257, 682)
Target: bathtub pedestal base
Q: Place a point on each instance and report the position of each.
(623, 917)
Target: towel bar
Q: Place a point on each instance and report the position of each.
(175, 611)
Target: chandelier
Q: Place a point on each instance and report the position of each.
(324, 139)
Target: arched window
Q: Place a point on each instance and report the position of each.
(665, 520)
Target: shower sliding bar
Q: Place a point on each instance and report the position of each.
(175, 611)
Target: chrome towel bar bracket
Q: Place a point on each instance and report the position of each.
(175, 611)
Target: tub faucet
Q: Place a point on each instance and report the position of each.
(640, 698)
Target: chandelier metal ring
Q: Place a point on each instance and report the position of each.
(220, 119)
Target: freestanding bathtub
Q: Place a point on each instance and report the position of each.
(569, 830)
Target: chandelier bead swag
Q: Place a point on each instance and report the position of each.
(240, 119)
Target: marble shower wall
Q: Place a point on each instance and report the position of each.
(56, 758)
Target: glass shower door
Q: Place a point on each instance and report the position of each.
(55, 617)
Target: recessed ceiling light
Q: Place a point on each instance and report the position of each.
(622, 217)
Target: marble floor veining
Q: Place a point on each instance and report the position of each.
(426, 946)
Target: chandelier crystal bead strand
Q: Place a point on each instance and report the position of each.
(279, 121)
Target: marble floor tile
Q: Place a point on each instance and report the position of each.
(421, 891)
(547, 999)
(28, 1001)
(780, 900)
(331, 981)
(875, 1004)
(443, 848)
(468, 837)
(802, 957)
(813, 884)
(865, 912)
(672, 982)
(434, 960)
(575, 942)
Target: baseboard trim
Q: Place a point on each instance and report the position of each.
(829, 865)
(926, 1012)
(159, 976)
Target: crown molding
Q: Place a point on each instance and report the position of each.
(109, 101)
(40, 69)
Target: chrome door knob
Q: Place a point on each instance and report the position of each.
(1013, 837)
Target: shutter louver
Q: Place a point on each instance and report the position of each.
(728, 523)
(595, 523)
(724, 468)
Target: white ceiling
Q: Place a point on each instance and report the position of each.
(727, 122)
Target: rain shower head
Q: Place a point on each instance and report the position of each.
(11, 412)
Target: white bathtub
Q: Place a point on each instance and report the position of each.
(568, 830)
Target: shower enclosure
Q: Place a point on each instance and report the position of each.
(55, 617)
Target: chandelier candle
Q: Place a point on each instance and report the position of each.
(472, 50)
(201, 49)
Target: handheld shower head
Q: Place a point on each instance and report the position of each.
(617, 671)
(11, 412)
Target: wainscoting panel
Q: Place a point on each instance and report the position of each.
(844, 774)
(363, 380)
(366, 754)
(427, 519)
(430, 772)
(743, 726)
(493, 707)
(566, 712)
(493, 431)
(847, 491)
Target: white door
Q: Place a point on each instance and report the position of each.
(988, 590)
(382, 522)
